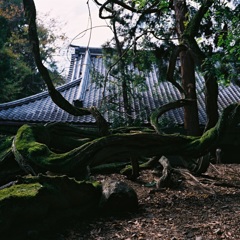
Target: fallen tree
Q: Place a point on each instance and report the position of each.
(34, 147)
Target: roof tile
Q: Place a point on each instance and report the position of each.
(40, 108)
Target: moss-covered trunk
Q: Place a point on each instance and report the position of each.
(32, 149)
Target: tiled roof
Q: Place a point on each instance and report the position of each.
(39, 107)
(82, 86)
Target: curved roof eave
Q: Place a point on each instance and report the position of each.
(38, 96)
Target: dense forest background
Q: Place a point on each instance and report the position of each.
(18, 72)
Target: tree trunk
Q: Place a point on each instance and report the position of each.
(211, 98)
(191, 121)
(122, 66)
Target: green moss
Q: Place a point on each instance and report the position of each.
(38, 202)
(96, 184)
(20, 191)
(5, 141)
(109, 168)
(5, 147)
(36, 149)
(32, 143)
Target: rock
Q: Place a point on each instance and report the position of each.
(118, 197)
(37, 202)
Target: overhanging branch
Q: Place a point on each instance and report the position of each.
(149, 10)
(194, 24)
(58, 99)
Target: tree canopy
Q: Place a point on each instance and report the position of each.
(18, 71)
(203, 35)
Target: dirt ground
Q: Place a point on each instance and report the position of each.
(201, 208)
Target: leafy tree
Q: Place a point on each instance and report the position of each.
(198, 30)
(128, 67)
(18, 71)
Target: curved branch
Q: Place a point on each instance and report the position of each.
(146, 11)
(157, 113)
(58, 99)
(149, 10)
(192, 29)
(194, 24)
(104, 7)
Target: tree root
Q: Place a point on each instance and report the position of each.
(165, 180)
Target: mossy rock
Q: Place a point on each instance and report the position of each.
(41, 202)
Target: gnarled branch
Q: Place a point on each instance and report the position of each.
(118, 146)
(58, 99)
(159, 112)
(149, 10)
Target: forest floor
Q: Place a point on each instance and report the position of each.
(201, 208)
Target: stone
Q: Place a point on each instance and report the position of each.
(118, 197)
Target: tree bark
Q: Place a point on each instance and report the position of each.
(191, 120)
(211, 100)
(211, 85)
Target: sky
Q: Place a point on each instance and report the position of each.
(75, 14)
(74, 18)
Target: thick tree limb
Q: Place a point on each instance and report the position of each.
(194, 24)
(160, 111)
(192, 28)
(117, 146)
(211, 100)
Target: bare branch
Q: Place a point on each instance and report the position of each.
(149, 10)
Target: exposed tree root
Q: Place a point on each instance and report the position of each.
(165, 180)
